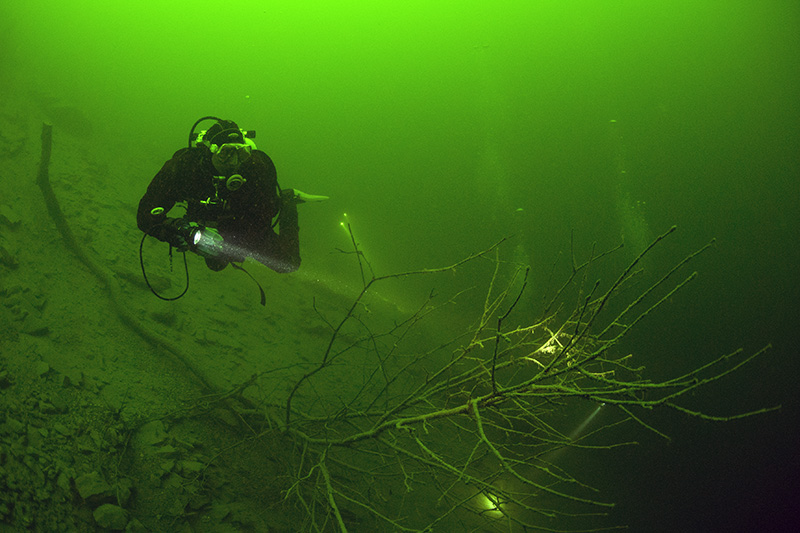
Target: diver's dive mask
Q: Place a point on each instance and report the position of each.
(227, 157)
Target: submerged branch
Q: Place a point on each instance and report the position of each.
(472, 412)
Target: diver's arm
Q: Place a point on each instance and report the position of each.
(161, 196)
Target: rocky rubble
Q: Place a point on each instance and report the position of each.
(69, 463)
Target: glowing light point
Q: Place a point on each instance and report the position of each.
(490, 504)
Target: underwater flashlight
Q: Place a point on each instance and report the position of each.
(207, 242)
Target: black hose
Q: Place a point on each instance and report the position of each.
(147, 281)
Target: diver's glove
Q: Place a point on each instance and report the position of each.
(177, 232)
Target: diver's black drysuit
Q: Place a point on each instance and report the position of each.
(244, 217)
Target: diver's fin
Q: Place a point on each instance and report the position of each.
(301, 198)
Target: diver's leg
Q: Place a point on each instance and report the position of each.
(288, 227)
(289, 231)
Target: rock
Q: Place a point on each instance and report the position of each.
(60, 405)
(7, 259)
(35, 326)
(5, 380)
(191, 467)
(63, 482)
(153, 433)
(61, 428)
(124, 490)
(111, 516)
(91, 484)
(35, 438)
(41, 368)
(9, 217)
(47, 408)
(72, 378)
(134, 526)
(14, 426)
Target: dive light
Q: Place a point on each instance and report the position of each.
(206, 242)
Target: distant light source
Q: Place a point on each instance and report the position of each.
(490, 504)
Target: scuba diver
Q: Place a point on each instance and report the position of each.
(234, 206)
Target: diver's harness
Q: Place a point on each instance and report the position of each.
(198, 239)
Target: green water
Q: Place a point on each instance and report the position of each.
(440, 127)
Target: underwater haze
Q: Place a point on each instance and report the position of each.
(439, 128)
